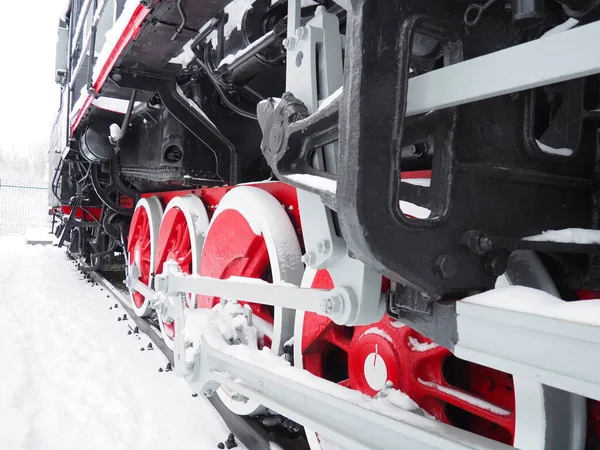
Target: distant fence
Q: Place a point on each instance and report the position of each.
(23, 205)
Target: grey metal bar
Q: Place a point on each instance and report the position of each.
(556, 344)
(310, 401)
(550, 59)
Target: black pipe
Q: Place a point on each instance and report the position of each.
(249, 55)
(215, 82)
(183, 20)
(92, 50)
(221, 36)
(209, 29)
(126, 120)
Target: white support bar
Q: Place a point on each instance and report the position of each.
(308, 400)
(251, 290)
(556, 344)
(80, 22)
(140, 287)
(550, 59)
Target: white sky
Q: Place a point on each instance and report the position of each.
(28, 94)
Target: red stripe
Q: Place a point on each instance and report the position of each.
(131, 32)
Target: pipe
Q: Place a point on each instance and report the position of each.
(125, 125)
(215, 82)
(183, 20)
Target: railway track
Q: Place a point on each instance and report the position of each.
(251, 432)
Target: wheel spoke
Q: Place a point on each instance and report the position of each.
(470, 403)
(338, 336)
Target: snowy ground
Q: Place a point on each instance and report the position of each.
(71, 377)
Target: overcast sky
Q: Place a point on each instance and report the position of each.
(28, 94)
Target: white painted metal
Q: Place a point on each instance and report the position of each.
(133, 283)
(550, 59)
(311, 79)
(557, 352)
(308, 400)
(546, 418)
(339, 300)
(265, 216)
(197, 224)
(154, 211)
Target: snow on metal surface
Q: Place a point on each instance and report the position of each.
(468, 398)
(378, 332)
(419, 346)
(568, 236)
(321, 183)
(114, 104)
(566, 25)
(112, 37)
(410, 209)
(554, 151)
(329, 100)
(232, 57)
(219, 329)
(265, 216)
(532, 301)
(193, 104)
(74, 377)
(426, 182)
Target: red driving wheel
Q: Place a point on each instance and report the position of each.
(363, 358)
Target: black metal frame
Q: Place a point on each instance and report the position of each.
(490, 180)
(201, 127)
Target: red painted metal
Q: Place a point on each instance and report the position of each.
(138, 244)
(131, 32)
(91, 213)
(232, 249)
(413, 362)
(211, 197)
(173, 244)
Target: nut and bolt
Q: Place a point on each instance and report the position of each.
(333, 305)
(300, 32)
(446, 267)
(309, 258)
(289, 43)
(324, 246)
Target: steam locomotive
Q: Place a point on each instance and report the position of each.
(399, 199)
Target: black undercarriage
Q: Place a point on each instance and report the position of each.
(493, 180)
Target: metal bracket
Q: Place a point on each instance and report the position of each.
(190, 115)
(324, 407)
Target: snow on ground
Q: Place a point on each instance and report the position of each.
(72, 378)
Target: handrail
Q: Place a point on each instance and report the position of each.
(90, 38)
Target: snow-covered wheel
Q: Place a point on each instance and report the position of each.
(251, 235)
(141, 247)
(464, 394)
(180, 238)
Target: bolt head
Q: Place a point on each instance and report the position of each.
(289, 43)
(333, 305)
(324, 246)
(309, 258)
(446, 267)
